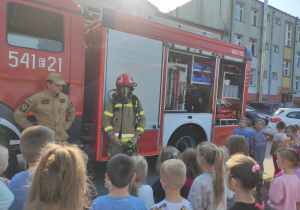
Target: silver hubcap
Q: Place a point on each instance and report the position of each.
(185, 142)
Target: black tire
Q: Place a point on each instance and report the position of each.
(187, 136)
(5, 136)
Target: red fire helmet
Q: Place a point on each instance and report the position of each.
(124, 80)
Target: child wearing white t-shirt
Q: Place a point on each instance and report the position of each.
(173, 176)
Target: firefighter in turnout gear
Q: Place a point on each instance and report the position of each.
(49, 108)
(123, 119)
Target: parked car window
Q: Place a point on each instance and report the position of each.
(295, 115)
(277, 112)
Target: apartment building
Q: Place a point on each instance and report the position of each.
(242, 23)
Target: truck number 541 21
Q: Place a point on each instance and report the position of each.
(17, 59)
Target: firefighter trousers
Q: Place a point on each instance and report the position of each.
(113, 150)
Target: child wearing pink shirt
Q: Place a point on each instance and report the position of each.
(285, 190)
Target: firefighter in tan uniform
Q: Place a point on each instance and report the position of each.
(123, 119)
(49, 108)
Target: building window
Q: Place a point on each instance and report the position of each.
(274, 75)
(297, 84)
(238, 39)
(253, 20)
(286, 68)
(265, 74)
(267, 46)
(239, 12)
(299, 34)
(298, 58)
(277, 21)
(34, 28)
(252, 45)
(276, 48)
(288, 35)
(268, 17)
(252, 77)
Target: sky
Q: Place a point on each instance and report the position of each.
(291, 7)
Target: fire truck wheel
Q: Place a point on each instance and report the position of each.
(5, 136)
(187, 136)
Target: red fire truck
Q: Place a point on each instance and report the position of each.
(192, 87)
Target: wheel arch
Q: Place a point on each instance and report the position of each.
(194, 125)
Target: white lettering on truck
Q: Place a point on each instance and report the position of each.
(29, 61)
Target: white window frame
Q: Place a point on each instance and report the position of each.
(238, 39)
(252, 46)
(274, 75)
(288, 35)
(268, 17)
(297, 83)
(253, 19)
(298, 59)
(286, 68)
(252, 77)
(277, 21)
(276, 48)
(239, 10)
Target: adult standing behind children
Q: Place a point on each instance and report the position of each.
(173, 175)
(278, 143)
(120, 171)
(49, 108)
(291, 131)
(242, 131)
(261, 137)
(32, 141)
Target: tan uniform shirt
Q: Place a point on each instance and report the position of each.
(112, 120)
(49, 111)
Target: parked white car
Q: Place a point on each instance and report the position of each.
(287, 115)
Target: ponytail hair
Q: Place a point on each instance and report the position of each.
(167, 153)
(247, 171)
(214, 157)
(293, 155)
(141, 171)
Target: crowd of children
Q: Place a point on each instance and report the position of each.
(198, 178)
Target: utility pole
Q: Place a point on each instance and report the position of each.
(262, 64)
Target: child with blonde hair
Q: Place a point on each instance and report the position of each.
(291, 131)
(173, 175)
(285, 190)
(261, 137)
(189, 157)
(60, 180)
(166, 153)
(208, 189)
(33, 140)
(278, 143)
(242, 176)
(138, 187)
(6, 197)
(243, 131)
(296, 146)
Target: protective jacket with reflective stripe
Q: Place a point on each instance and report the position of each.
(112, 119)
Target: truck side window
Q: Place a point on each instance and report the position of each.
(34, 28)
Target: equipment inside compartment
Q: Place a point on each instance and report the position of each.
(190, 85)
